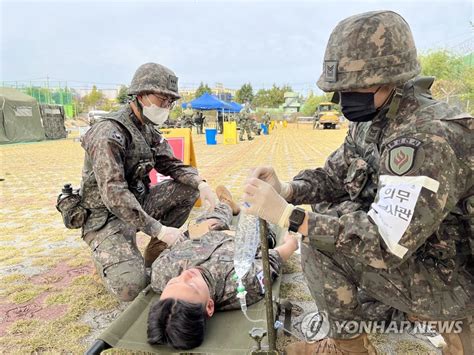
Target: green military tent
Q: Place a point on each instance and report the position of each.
(20, 118)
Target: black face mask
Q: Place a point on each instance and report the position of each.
(358, 106)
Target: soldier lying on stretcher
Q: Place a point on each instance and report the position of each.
(195, 278)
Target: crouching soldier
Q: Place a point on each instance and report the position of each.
(120, 151)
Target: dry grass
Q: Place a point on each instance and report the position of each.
(294, 291)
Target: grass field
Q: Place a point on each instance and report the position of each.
(51, 300)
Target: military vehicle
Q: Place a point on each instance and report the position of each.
(328, 116)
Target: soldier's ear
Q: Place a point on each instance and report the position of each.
(210, 307)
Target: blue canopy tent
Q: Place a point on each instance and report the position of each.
(208, 102)
(235, 107)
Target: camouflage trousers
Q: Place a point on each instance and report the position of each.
(114, 249)
(349, 291)
(200, 128)
(222, 212)
(245, 128)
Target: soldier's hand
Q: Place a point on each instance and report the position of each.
(170, 235)
(268, 174)
(266, 203)
(207, 195)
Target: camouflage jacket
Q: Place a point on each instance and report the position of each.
(187, 122)
(213, 254)
(119, 154)
(243, 117)
(266, 119)
(188, 113)
(409, 174)
(198, 118)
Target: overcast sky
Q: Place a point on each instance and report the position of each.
(235, 42)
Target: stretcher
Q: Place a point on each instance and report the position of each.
(227, 332)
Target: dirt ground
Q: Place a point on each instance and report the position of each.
(51, 299)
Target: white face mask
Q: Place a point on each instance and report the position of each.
(155, 114)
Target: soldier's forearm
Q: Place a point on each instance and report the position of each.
(189, 179)
(287, 249)
(123, 204)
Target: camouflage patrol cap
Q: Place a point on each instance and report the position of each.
(155, 78)
(372, 48)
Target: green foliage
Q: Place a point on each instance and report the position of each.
(273, 97)
(203, 88)
(108, 105)
(312, 102)
(79, 105)
(94, 99)
(454, 77)
(122, 94)
(176, 112)
(244, 94)
(442, 64)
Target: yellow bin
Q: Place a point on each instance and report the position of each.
(230, 133)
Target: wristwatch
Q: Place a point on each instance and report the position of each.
(296, 219)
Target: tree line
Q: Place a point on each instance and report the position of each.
(454, 83)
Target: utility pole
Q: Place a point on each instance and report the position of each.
(47, 85)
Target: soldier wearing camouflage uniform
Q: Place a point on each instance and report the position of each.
(187, 120)
(198, 120)
(316, 118)
(266, 119)
(254, 127)
(199, 273)
(393, 205)
(120, 152)
(245, 123)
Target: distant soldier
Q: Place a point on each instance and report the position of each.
(254, 126)
(198, 119)
(244, 123)
(186, 119)
(316, 118)
(188, 111)
(187, 122)
(266, 119)
(220, 121)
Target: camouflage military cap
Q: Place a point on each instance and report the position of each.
(372, 48)
(156, 78)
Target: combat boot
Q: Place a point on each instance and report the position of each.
(458, 343)
(241, 139)
(153, 250)
(224, 196)
(358, 345)
(250, 138)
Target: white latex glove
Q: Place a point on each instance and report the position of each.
(169, 235)
(266, 203)
(268, 174)
(207, 195)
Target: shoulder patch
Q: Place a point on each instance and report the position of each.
(401, 156)
(117, 137)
